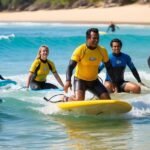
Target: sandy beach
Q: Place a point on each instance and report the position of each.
(132, 14)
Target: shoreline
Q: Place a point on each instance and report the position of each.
(131, 14)
(78, 22)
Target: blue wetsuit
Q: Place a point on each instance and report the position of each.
(119, 63)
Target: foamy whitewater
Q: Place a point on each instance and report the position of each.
(27, 121)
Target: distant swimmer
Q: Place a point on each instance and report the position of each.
(39, 70)
(149, 61)
(112, 27)
(119, 62)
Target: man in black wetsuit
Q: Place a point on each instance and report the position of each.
(119, 62)
(112, 27)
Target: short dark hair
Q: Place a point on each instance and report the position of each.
(88, 32)
(116, 40)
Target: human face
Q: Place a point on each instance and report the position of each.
(93, 40)
(43, 53)
(116, 48)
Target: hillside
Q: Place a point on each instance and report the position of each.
(33, 5)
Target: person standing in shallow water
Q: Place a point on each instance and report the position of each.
(39, 70)
(86, 59)
(119, 62)
(112, 27)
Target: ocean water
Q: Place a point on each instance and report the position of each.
(29, 122)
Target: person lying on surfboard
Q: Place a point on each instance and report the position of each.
(39, 70)
(119, 62)
(86, 59)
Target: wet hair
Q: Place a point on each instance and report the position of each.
(88, 32)
(39, 51)
(116, 40)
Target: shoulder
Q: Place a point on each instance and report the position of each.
(36, 61)
(80, 50)
(102, 49)
(81, 47)
(50, 62)
(126, 56)
(51, 65)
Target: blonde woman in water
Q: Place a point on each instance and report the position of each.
(39, 70)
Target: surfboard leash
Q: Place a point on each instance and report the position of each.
(50, 99)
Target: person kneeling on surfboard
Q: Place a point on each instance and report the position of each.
(39, 70)
(119, 62)
(86, 59)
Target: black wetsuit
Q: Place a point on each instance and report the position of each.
(112, 27)
(148, 62)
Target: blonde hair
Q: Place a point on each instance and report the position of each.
(39, 51)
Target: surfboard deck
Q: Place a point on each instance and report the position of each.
(102, 32)
(96, 107)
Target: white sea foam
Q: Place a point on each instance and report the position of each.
(7, 36)
(139, 102)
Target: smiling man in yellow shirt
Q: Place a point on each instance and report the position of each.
(86, 60)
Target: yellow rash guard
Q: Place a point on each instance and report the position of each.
(43, 70)
(88, 61)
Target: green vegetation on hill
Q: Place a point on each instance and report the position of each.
(32, 5)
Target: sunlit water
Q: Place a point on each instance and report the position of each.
(29, 122)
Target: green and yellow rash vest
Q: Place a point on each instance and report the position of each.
(44, 68)
(88, 61)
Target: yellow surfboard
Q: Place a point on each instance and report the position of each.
(102, 32)
(96, 107)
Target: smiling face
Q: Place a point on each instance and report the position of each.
(116, 47)
(93, 39)
(44, 52)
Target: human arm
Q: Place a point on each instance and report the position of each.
(71, 66)
(101, 67)
(29, 79)
(107, 64)
(134, 71)
(109, 69)
(57, 77)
